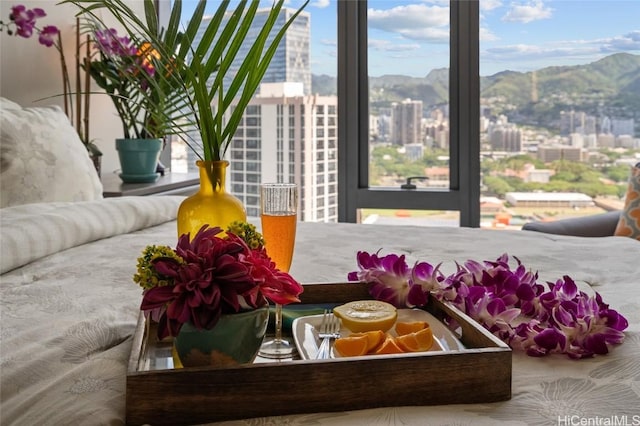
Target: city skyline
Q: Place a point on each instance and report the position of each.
(411, 37)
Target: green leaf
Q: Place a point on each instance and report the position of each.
(189, 79)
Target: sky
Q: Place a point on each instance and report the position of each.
(411, 37)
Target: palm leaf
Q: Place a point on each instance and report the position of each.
(190, 77)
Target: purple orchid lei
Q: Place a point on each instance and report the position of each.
(535, 318)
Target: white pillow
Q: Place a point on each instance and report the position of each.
(42, 158)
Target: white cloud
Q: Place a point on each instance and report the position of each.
(525, 13)
(487, 35)
(415, 21)
(564, 50)
(490, 4)
(321, 4)
(388, 46)
(627, 43)
(438, 2)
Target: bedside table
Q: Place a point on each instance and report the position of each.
(169, 184)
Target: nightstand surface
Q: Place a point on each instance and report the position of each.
(169, 184)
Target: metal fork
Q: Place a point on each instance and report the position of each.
(329, 329)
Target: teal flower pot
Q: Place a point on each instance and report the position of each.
(138, 159)
(235, 339)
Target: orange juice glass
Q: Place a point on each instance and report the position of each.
(279, 214)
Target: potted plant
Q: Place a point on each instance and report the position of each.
(210, 293)
(23, 23)
(123, 68)
(192, 81)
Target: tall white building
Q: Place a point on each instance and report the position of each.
(287, 136)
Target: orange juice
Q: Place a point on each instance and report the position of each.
(279, 232)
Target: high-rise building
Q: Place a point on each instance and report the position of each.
(606, 140)
(549, 153)
(288, 137)
(290, 61)
(406, 122)
(622, 126)
(505, 138)
(285, 135)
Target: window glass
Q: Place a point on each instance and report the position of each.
(408, 69)
(280, 125)
(559, 122)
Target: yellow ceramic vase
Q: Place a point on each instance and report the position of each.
(212, 204)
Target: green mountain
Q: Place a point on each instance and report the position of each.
(608, 86)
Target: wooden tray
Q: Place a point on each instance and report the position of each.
(480, 373)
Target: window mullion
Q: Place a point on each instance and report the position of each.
(465, 109)
(348, 106)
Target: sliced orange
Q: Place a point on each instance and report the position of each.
(418, 341)
(408, 342)
(351, 345)
(374, 338)
(424, 338)
(389, 346)
(403, 328)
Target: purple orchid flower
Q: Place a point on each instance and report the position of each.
(392, 280)
(25, 19)
(111, 44)
(47, 35)
(25, 22)
(508, 302)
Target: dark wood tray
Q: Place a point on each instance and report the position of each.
(480, 373)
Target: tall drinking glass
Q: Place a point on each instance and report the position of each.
(278, 214)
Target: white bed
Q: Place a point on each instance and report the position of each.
(69, 310)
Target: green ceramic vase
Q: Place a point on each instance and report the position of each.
(235, 339)
(138, 159)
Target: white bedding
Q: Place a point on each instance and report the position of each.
(68, 310)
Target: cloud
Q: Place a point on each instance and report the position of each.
(329, 42)
(415, 22)
(487, 35)
(563, 49)
(490, 4)
(525, 13)
(438, 2)
(321, 4)
(388, 46)
(627, 43)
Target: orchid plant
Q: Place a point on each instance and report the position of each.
(539, 319)
(23, 23)
(214, 273)
(123, 70)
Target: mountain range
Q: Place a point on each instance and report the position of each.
(609, 86)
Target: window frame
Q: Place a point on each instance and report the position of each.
(354, 192)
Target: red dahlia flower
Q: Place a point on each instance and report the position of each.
(215, 275)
